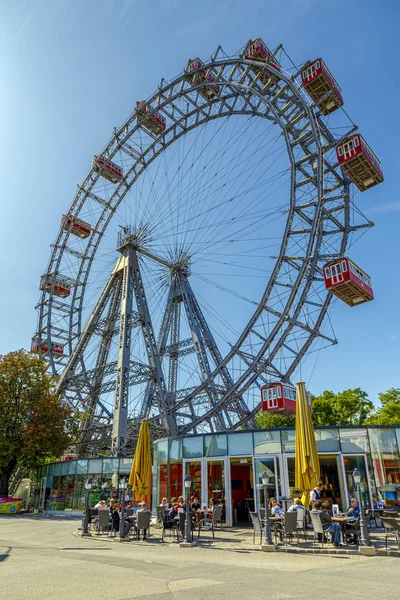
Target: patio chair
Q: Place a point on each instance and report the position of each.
(160, 515)
(103, 522)
(216, 517)
(351, 529)
(392, 528)
(287, 528)
(255, 519)
(369, 517)
(301, 521)
(261, 514)
(170, 526)
(319, 528)
(143, 520)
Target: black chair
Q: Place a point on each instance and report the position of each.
(351, 529)
(255, 519)
(170, 526)
(392, 528)
(160, 515)
(216, 517)
(143, 520)
(103, 523)
(287, 528)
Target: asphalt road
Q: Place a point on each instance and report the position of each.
(41, 558)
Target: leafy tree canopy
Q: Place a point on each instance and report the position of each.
(350, 407)
(389, 411)
(273, 420)
(34, 426)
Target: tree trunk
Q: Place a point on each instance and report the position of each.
(4, 480)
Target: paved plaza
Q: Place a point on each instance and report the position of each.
(40, 557)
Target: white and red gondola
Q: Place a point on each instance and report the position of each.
(60, 286)
(258, 51)
(197, 73)
(76, 226)
(154, 122)
(347, 281)
(280, 397)
(322, 87)
(57, 349)
(360, 164)
(107, 169)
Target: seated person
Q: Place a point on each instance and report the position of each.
(173, 501)
(353, 513)
(172, 512)
(181, 501)
(274, 507)
(195, 505)
(115, 515)
(164, 502)
(143, 508)
(102, 505)
(333, 528)
(297, 505)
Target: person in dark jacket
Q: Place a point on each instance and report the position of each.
(333, 528)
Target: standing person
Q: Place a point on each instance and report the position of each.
(316, 493)
(333, 528)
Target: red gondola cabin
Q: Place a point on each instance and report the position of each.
(195, 76)
(59, 286)
(347, 281)
(155, 122)
(258, 51)
(75, 226)
(322, 87)
(360, 164)
(280, 397)
(57, 349)
(107, 169)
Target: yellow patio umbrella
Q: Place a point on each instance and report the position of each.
(306, 462)
(140, 477)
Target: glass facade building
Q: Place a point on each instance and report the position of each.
(228, 467)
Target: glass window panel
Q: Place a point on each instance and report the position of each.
(125, 465)
(216, 481)
(288, 438)
(95, 465)
(267, 442)
(327, 440)
(354, 440)
(398, 439)
(175, 450)
(351, 463)
(175, 478)
(193, 468)
(215, 445)
(64, 467)
(192, 447)
(386, 464)
(110, 465)
(57, 469)
(71, 465)
(50, 470)
(260, 465)
(240, 443)
(162, 449)
(81, 467)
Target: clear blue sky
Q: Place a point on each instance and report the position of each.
(71, 71)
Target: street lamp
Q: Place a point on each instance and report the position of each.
(85, 516)
(265, 477)
(188, 484)
(365, 541)
(123, 485)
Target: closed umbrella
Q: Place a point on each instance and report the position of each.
(140, 477)
(307, 462)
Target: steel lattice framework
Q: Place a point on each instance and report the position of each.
(286, 320)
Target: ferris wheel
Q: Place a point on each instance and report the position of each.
(189, 271)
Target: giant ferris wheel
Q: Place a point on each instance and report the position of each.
(188, 271)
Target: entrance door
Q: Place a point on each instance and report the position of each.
(194, 469)
(351, 462)
(336, 274)
(261, 464)
(217, 485)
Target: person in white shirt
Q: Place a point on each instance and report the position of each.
(297, 505)
(102, 505)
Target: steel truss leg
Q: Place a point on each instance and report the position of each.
(167, 416)
(101, 362)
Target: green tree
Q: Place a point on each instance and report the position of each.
(389, 411)
(350, 407)
(267, 420)
(34, 426)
